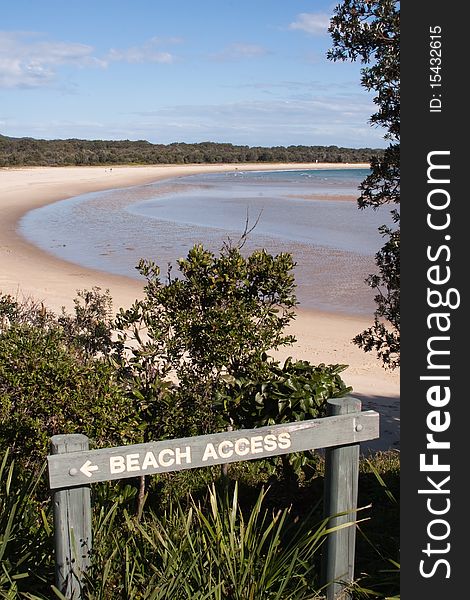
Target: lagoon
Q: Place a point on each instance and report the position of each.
(311, 213)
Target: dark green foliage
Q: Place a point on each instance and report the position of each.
(369, 31)
(226, 310)
(382, 186)
(380, 338)
(50, 384)
(46, 388)
(217, 319)
(29, 151)
(294, 392)
(25, 535)
(212, 547)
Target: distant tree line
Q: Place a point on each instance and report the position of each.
(29, 151)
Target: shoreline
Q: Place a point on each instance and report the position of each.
(25, 270)
(27, 188)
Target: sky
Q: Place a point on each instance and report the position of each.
(251, 72)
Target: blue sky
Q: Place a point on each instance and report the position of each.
(242, 71)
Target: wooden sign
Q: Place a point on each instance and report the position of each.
(79, 468)
(72, 466)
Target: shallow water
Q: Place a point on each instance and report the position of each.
(307, 213)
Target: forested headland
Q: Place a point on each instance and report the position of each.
(28, 151)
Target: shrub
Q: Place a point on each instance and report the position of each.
(211, 328)
(295, 391)
(50, 383)
(47, 388)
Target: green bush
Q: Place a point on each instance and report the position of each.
(54, 379)
(221, 315)
(295, 391)
(212, 328)
(47, 388)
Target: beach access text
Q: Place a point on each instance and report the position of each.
(72, 467)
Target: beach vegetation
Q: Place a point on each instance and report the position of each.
(50, 383)
(369, 31)
(239, 539)
(190, 357)
(195, 350)
(215, 320)
(32, 152)
(294, 391)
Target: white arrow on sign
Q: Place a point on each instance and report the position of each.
(87, 468)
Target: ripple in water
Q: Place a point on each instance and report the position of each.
(311, 214)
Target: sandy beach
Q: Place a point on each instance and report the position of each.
(27, 271)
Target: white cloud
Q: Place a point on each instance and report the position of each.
(28, 61)
(313, 23)
(293, 86)
(323, 119)
(147, 52)
(239, 51)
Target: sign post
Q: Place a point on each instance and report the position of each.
(72, 523)
(72, 467)
(340, 496)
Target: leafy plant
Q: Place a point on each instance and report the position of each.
(218, 318)
(25, 534)
(50, 383)
(208, 552)
(47, 389)
(295, 391)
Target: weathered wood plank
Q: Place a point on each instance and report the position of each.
(107, 464)
(341, 484)
(72, 523)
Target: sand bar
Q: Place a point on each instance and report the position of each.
(26, 270)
